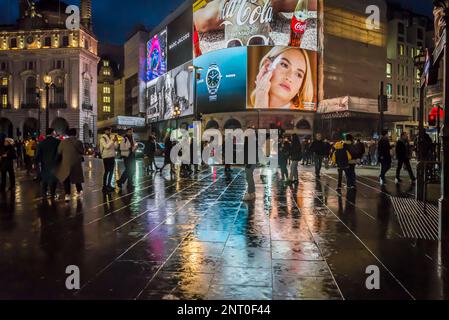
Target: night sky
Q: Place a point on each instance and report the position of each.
(114, 19)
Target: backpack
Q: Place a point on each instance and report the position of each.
(341, 156)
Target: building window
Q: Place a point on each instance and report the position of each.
(412, 53)
(59, 64)
(406, 91)
(3, 66)
(107, 90)
(13, 43)
(86, 92)
(401, 49)
(4, 82)
(107, 109)
(30, 85)
(107, 99)
(29, 65)
(4, 101)
(105, 63)
(389, 70)
(420, 34)
(399, 89)
(106, 72)
(47, 42)
(389, 90)
(401, 29)
(65, 41)
(57, 97)
(86, 44)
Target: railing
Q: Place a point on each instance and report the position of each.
(431, 170)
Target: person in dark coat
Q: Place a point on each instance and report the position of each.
(150, 151)
(403, 154)
(319, 150)
(70, 169)
(284, 154)
(384, 152)
(251, 159)
(295, 157)
(7, 156)
(47, 158)
(168, 143)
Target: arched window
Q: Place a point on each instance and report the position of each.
(30, 91)
(303, 125)
(57, 94)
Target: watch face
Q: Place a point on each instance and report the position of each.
(213, 78)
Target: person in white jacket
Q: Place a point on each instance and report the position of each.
(128, 148)
(108, 145)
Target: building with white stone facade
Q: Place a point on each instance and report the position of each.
(39, 45)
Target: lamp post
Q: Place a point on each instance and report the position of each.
(39, 111)
(441, 12)
(419, 61)
(47, 82)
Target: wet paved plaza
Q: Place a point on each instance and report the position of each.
(194, 238)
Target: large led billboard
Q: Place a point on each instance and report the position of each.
(175, 88)
(220, 24)
(222, 85)
(179, 39)
(157, 55)
(282, 78)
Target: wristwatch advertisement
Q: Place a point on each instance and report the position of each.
(213, 80)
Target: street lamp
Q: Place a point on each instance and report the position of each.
(196, 77)
(441, 13)
(419, 61)
(47, 82)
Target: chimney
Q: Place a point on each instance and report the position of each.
(86, 14)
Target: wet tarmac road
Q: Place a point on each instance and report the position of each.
(195, 239)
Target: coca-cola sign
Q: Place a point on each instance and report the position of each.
(224, 24)
(246, 12)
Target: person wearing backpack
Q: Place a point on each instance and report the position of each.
(8, 155)
(107, 151)
(341, 157)
(128, 149)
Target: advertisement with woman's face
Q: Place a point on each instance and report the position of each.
(220, 24)
(282, 78)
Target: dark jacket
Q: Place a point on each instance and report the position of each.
(359, 149)
(384, 150)
(10, 154)
(284, 153)
(71, 152)
(47, 156)
(150, 148)
(296, 152)
(319, 148)
(402, 150)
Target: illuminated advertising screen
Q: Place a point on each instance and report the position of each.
(179, 40)
(222, 85)
(175, 88)
(282, 78)
(157, 55)
(220, 24)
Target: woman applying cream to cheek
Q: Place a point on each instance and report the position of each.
(284, 80)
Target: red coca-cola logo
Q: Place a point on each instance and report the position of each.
(299, 26)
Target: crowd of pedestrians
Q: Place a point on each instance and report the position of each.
(53, 160)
